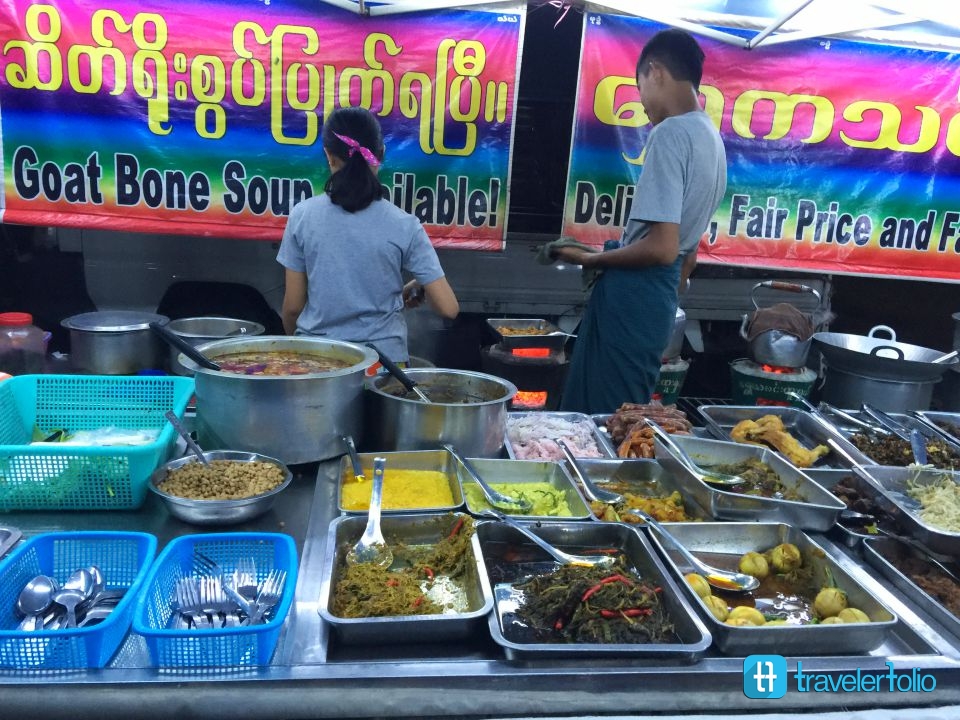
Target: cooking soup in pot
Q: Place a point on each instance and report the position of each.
(278, 362)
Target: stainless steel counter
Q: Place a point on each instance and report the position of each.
(312, 676)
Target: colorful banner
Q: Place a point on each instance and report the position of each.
(204, 117)
(842, 156)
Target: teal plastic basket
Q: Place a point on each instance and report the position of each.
(123, 558)
(75, 477)
(223, 649)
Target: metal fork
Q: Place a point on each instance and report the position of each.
(269, 595)
(188, 602)
(216, 602)
(245, 578)
(209, 566)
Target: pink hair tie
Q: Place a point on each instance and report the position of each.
(357, 147)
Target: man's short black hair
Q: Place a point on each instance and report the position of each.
(678, 52)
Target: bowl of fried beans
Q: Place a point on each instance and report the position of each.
(236, 486)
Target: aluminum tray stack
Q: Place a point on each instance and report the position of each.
(604, 444)
(411, 530)
(806, 427)
(527, 333)
(510, 557)
(735, 539)
(818, 512)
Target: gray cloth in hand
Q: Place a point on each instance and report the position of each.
(545, 256)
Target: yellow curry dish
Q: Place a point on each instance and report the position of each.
(402, 490)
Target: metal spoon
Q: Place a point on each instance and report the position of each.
(723, 579)
(399, 374)
(855, 466)
(185, 434)
(593, 492)
(354, 458)
(496, 499)
(77, 588)
(703, 474)
(371, 547)
(557, 554)
(34, 600)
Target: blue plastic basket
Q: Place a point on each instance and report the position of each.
(227, 648)
(72, 477)
(123, 558)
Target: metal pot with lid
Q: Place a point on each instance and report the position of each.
(880, 357)
(115, 342)
(784, 346)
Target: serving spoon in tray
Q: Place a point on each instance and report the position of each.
(722, 579)
(371, 547)
(496, 499)
(704, 475)
(592, 491)
(560, 556)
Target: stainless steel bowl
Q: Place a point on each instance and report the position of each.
(218, 512)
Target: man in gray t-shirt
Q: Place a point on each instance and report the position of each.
(630, 314)
(355, 263)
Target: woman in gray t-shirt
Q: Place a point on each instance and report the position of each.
(345, 251)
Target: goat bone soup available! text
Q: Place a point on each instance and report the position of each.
(278, 362)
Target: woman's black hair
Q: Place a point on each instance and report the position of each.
(355, 185)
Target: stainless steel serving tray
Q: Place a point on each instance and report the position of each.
(547, 334)
(819, 511)
(509, 556)
(643, 477)
(735, 539)
(524, 472)
(827, 478)
(604, 444)
(437, 460)
(892, 482)
(804, 426)
(877, 551)
(942, 417)
(412, 529)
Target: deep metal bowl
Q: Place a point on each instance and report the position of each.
(218, 512)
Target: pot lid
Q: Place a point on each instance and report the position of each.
(881, 357)
(113, 321)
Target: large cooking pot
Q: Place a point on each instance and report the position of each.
(469, 411)
(294, 418)
(201, 330)
(114, 342)
(850, 390)
(879, 357)
(675, 345)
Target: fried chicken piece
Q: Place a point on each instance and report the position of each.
(770, 431)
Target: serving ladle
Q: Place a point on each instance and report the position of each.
(399, 374)
(495, 498)
(371, 547)
(183, 346)
(34, 600)
(354, 458)
(703, 474)
(722, 579)
(593, 492)
(560, 556)
(185, 434)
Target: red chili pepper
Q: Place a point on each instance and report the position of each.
(456, 528)
(606, 580)
(418, 601)
(628, 613)
(392, 582)
(429, 572)
(600, 551)
(558, 625)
